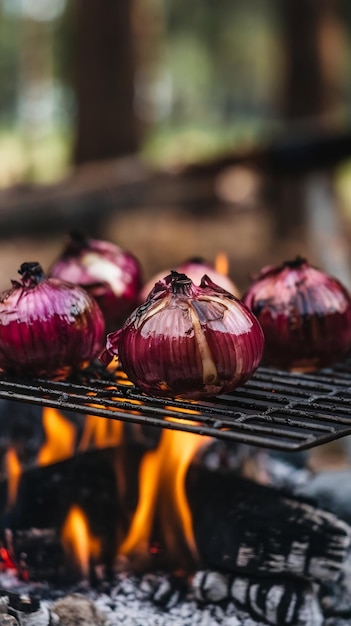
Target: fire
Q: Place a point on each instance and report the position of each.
(14, 471)
(161, 523)
(222, 264)
(101, 433)
(6, 560)
(60, 437)
(78, 541)
(162, 491)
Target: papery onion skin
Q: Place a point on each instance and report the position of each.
(187, 341)
(48, 327)
(112, 275)
(195, 269)
(305, 315)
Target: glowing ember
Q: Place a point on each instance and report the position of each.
(78, 541)
(6, 561)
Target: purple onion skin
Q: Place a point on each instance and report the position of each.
(187, 341)
(47, 327)
(109, 273)
(305, 315)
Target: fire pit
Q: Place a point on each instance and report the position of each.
(169, 512)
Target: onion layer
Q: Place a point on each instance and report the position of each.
(188, 341)
(47, 327)
(305, 315)
(111, 274)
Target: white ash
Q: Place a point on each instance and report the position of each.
(130, 604)
(7, 620)
(132, 601)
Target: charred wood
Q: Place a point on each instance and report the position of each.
(45, 496)
(46, 493)
(38, 555)
(23, 610)
(280, 601)
(244, 527)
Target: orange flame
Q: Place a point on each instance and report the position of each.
(78, 541)
(162, 487)
(101, 432)
(222, 264)
(60, 437)
(14, 471)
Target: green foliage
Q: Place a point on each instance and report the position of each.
(9, 65)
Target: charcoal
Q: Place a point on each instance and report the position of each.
(335, 596)
(281, 602)
(22, 602)
(38, 555)
(46, 493)
(23, 609)
(248, 528)
(21, 428)
(41, 617)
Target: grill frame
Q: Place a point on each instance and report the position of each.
(275, 409)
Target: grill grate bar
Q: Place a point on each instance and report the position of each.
(275, 409)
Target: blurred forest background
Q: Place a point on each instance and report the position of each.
(180, 84)
(173, 81)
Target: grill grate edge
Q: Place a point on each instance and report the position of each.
(275, 409)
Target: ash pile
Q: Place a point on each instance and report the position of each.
(272, 532)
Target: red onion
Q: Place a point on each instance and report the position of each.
(305, 315)
(188, 341)
(47, 327)
(111, 274)
(195, 269)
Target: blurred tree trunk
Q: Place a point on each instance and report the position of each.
(315, 51)
(303, 71)
(104, 69)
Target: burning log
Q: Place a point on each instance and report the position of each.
(244, 527)
(281, 602)
(45, 497)
(38, 555)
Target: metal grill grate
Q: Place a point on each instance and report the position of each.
(275, 409)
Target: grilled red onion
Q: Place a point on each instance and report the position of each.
(305, 315)
(195, 269)
(188, 341)
(47, 327)
(111, 274)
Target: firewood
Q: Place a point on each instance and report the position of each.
(278, 600)
(248, 528)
